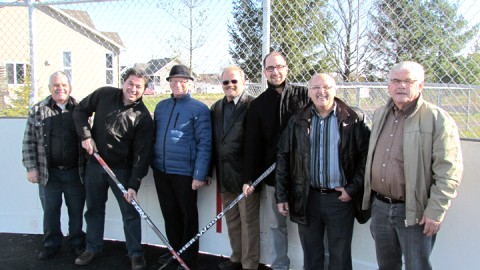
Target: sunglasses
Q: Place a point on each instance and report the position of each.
(226, 82)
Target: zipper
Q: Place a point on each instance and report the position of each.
(165, 136)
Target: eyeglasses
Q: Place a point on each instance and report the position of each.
(226, 82)
(277, 67)
(407, 81)
(318, 88)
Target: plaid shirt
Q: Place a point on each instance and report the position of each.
(36, 139)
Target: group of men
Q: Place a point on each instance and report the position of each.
(330, 167)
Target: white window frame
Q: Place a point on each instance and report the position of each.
(25, 67)
(68, 66)
(109, 69)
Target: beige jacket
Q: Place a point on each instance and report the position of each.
(432, 161)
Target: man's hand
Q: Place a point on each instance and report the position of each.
(283, 208)
(197, 184)
(130, 195)
(247, 190)
(89, 146)
(344, 197)
(32, 176)
(431, 226)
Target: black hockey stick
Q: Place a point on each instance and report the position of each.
(220, 215)
(141, 212)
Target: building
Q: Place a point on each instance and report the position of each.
(89, 56)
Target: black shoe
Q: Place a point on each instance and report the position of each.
(229, 265)
(164, 258)
(78, 250)
(47, 253)
(138, 263)
(86, 257)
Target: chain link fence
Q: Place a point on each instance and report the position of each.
(356, 41)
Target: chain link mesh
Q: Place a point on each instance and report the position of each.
(356, 41)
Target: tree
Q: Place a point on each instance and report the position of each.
(298, 29)
(17, 106)
(347, 39)
(429, 32)
(246, 38)
(194, 24)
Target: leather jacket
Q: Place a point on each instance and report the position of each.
(293, 158)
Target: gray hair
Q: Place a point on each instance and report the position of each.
(58, 74)
(414, 68)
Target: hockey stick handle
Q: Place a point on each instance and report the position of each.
(221, 214)
(140, 211)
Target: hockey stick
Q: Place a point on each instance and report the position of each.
(220, 215)
(141, 212)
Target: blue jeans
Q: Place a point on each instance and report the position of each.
(393, 238)
(66, 182)
(97, 182)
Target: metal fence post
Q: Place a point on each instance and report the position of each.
(267, 10)
(33, 79)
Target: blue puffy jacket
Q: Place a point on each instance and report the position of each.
(183, 139)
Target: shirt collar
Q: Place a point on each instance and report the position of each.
(235, 100)
(333, 112)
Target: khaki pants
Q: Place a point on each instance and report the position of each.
(244, 229)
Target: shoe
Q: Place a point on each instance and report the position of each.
(229, 265)
(86, 257)
(164, 258)
(78, 250)
(138, 263)
(47, 253)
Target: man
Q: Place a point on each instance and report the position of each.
(320, 168)
(228, 122)
(53, 158)
(182, 152)
(414, 167)
(266, 118)
(122, 132)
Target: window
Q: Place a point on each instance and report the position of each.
(67, 63)
(17, 73)
(109, 68)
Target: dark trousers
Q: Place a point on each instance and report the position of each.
(325, 212)
(179, 208)
(66, 182)
(97, 183)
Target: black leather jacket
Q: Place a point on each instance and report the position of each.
(293, 158)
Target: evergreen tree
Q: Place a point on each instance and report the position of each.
(246, 38)
(298, 29)
(17, 106)
(429, 32)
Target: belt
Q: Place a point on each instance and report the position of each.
(323, 190)
(63, 168)
(387, 199)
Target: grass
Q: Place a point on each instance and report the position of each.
(152, 100)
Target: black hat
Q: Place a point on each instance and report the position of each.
(179, 71)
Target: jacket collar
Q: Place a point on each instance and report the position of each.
(343, 111)
(186, 97)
